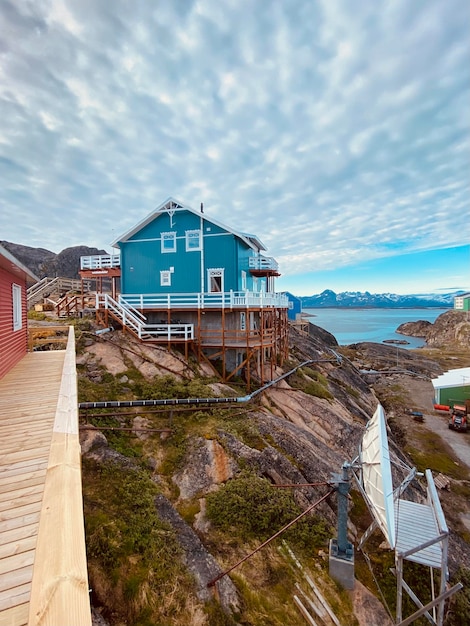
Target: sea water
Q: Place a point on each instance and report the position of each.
(356, 325)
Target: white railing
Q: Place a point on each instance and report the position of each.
(263, 263)
(98, 262)
(226, 300)
(133, 319)
(169, 332)
(46, 286)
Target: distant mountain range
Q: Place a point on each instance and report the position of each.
(358, 299)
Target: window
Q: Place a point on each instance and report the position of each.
(243, 280)
(242, 320)
(169, 242)
(165, 278)
(17, 308)
(193, 240)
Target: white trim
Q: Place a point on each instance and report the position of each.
(17, 306)
(165, 278)
(191, 236)
(169, 236)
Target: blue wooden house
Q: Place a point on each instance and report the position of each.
(186, 278)
(294, 306)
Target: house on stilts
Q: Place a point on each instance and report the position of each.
(186, 280)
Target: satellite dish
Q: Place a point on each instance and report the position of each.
(377, 474)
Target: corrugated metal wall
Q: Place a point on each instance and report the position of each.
(13, 344)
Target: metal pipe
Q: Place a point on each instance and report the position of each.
(144, 430)
(113, 404)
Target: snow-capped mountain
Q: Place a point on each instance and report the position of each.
(357, 299)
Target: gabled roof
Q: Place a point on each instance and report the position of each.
(11, 264)
(173, 205)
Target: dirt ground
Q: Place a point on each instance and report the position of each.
(421, 398)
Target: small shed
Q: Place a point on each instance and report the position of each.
(452, 386)
(14, 278)
(462, 302)
(294, 310)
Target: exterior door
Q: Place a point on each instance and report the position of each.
(215, 280)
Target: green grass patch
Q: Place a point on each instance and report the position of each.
(433, 453)
(134, 557)
(253, 508)
(311, 382)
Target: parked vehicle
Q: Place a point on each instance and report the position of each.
(458, 417)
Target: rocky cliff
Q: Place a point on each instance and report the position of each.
(43, 262)
(211, 478)
(452, 328)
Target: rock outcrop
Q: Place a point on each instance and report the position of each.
(452, 328)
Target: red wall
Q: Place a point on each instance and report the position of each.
(13, 344)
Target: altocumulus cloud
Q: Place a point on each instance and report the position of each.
(334, 130)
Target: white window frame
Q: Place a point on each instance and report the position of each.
(243, 280)
(242, 320)
(165, 278)
(168, 237)
(190, 238)
(17, 301)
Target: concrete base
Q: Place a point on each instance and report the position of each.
(341, 567)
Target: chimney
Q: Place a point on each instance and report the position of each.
(202, 207)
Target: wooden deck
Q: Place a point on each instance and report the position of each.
(42, 547)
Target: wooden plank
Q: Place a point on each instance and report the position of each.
(20, 511)
(16, 615)
(20, 492)
(17, 547)
(25, 497)
(25, 455)
(18, 522)
(10, 598)
(15, 578)
(22, 479)
(16, 562)
(26, 467)
(36, 442)
(18, 534)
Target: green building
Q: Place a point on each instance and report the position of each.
(462, 302)
(452, 387)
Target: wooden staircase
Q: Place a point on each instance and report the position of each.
(133, 320)
(46, 286)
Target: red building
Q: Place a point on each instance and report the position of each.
(14, 277)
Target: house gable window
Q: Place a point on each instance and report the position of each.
(165, 278)
(17, 308)
(168, 242)
(193, 240)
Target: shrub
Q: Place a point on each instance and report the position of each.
(256, 509)
(169, 387)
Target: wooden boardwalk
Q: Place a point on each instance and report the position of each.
(35, 444)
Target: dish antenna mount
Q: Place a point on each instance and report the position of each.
(416, 532)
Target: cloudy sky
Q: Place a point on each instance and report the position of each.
(336, 130)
